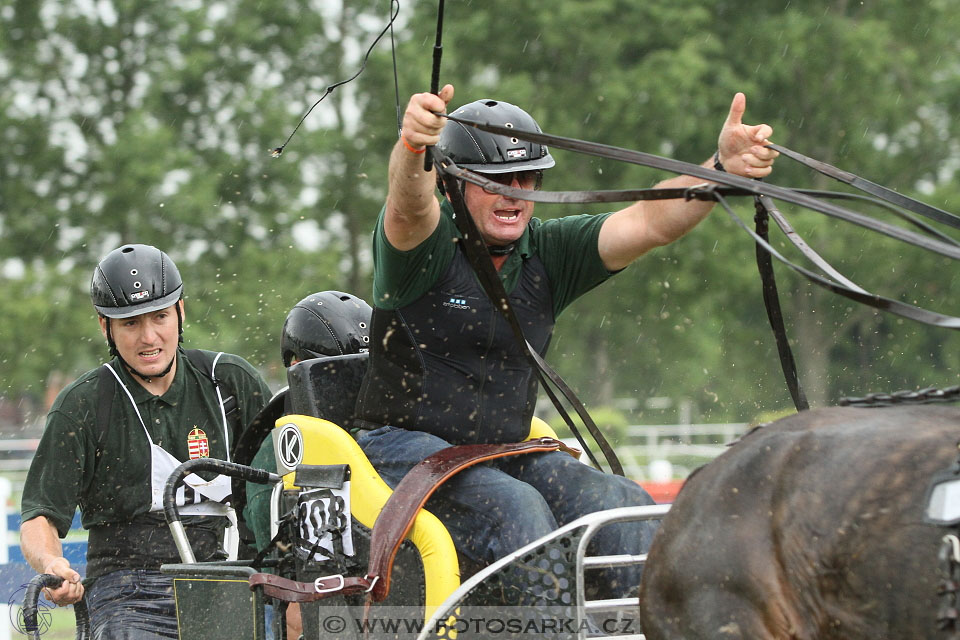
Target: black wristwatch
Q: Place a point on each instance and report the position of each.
(716, 161)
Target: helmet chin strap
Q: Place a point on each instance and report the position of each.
(115, 353)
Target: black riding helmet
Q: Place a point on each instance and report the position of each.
(132, 280)
(485, 152)
(135, 279)
(326, 323)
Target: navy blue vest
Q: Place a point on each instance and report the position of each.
(448, 363)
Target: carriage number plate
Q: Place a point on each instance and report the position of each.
(322, 515)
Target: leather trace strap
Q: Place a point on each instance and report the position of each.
(395, 521)
(479, 257)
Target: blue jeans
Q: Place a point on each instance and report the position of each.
(497, 507)
(132, 604)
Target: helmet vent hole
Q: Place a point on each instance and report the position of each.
(363, 325)
(366, 339)
(136, 285)
(133, 272)
(508, 125)
(514, 140)
(126, 250)
(490, 103)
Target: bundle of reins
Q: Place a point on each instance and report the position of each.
(719, 188)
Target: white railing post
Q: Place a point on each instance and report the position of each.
(5, 490)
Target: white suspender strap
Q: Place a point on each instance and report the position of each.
(132, 401)
(223, 411)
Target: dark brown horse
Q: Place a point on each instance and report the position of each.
(809, 528)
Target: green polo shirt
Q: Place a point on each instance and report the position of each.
(65, 473)
(257, 512)
(568, 248)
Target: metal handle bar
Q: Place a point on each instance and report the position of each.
(172, 515)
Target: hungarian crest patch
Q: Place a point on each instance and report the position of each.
(197, 444)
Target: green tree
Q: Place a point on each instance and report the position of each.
(151, 122)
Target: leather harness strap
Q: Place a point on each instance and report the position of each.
(753, 187)
(396, 519)
(764, 202)
(872, 188)
(771, 301)
(581, 197)
(398, 514)
(292, 591)
(895, 307)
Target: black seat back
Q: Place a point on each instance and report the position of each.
(327, 387)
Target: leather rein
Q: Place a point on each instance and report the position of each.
(720, 187)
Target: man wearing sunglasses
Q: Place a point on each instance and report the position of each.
(445, 368)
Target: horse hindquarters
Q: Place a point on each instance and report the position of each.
(809, 528)
(720, 591)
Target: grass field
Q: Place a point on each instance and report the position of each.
(55, 624)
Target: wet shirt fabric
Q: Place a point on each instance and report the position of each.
(257, 512)
(114, 491)
(443, 359)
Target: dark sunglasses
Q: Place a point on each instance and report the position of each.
(525, 179)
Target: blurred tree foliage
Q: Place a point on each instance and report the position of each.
(147, 121)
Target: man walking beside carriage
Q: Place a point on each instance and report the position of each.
(445, 368)
(113, 437)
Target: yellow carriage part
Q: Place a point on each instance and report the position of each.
(325, 443)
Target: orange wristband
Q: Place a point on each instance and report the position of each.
(412, 150)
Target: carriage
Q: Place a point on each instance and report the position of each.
(350, 540)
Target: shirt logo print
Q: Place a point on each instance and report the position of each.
(197, 444)
(456, 303)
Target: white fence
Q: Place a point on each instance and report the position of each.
(683, 446)
(676, 443)
(15, 455)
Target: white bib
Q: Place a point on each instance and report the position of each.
(196, 496)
